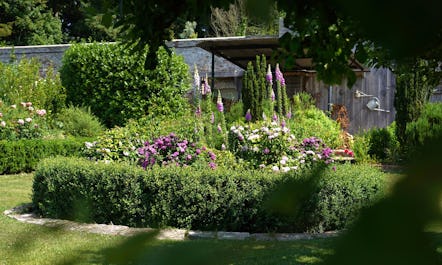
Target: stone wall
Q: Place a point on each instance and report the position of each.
(47, 54)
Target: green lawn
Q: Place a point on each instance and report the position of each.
(22, 243)
(33, 244)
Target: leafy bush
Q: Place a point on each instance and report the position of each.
(313, 122)
(383, 144)
(202, 199)
(22, 82)
(77, 121)
(112, 81)
(361, 146)
(116, 144)
(24, 155)
(340, 195)
(24, 121)
(425, 129)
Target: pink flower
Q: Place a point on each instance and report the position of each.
(3, 123)
(28, 104)
(28, 119)
(41, 112)
(23, 104)
(212, 165)
(279, 76)
(219, 102)
(269, 75)
(21, 121)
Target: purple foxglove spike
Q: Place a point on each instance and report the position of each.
(248, 115)
(279, 76)
(289, 114)
(269, 77)
(272, 95)
(275, 117)
(219, 102)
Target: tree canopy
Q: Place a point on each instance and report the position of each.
(28, 22)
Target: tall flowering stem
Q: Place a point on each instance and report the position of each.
(222, 125)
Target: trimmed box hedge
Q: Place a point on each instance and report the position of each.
(24, 155)
(78, 189)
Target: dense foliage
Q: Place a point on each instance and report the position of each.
(114, 84)
(25, 155)
(198, 199)
(22, 81)
(29, 22)
(426, 128)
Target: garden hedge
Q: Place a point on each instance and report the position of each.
(24, 155)
(112, 81)
(78, 189)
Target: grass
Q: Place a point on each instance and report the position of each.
(34, 244)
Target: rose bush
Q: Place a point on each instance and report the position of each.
(22, 121)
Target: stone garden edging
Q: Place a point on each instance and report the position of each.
(23, 214)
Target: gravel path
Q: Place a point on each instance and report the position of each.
(23, 214)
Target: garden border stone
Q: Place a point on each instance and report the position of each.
(23, 213)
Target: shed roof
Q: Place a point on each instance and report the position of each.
(241, 50)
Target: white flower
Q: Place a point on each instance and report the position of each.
(309, 152)
(283, 162)
(285, 158)
(89, 145)
(285, 169)
(255, 149)
(28, 119)
(126, 153)
(232, 128)
(3, 123)
(275, 168)
(21, 121)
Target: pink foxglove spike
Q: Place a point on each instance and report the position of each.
(269, 77)
(279, 76)
(219, 102)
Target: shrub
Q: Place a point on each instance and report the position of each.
(24, 155)
(197, 199)
(383, 144)
(313, 122)
(22, 82)
(22, 121)
(77, 121)
(340, 195)
(426, 128)
(361, 146)
(112, 81)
